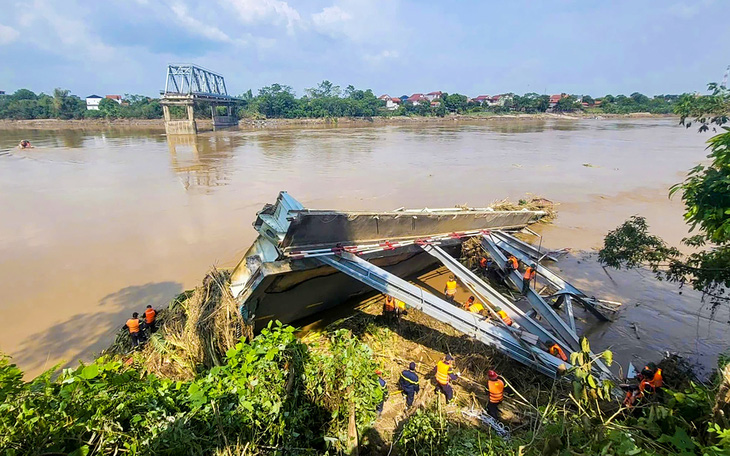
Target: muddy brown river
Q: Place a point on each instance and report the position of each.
(97, 224)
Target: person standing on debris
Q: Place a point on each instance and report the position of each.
(512, 264)
(450, 289)
(555, 350)
(495, 385)
(408, 383)
(400, 309)
(389, 308)
(527, 277)
(653, 377)
(382, 384)
(444, 377)
(150, 318)
(503, 315)
(133, 326)
(483, 265)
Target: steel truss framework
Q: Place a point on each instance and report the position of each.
(196, 82)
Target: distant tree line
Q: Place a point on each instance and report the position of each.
(326, 100)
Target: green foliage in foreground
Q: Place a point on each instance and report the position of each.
(273, 392)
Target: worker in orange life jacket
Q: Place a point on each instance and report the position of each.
(389, 308)
(133, 326)
(528, 276)
(503, 315)
(495, 385)
(150, 319)
(512, 264)
(444, 376)
(555, 350)
(653, 376)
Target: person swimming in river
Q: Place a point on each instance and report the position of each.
(25, 144)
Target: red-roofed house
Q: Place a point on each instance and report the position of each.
(481, 99)
(555, 98)
(434, 95)
(117, 98)
(390, 102)
(417, 98)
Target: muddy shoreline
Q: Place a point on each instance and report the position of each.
(247, 123)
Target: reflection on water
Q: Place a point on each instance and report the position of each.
(90, 214)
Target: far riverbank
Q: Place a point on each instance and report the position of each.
(249, 123)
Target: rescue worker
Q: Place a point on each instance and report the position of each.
(484, 265)
(389, 308)
(450, 289)
(474, 307)
(555, 350)
(150, 318)
(527, 277)
(503, 315)
(444, 376)
(512, 264)
(495, 385)
(653, 377)
(25, 144)
(133, 326)
(408, 383)
(381, 382)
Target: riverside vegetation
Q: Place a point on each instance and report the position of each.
(325, 100)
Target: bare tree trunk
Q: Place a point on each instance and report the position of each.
(352, 443)
(721, 411)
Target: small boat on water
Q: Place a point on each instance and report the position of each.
(281, 278)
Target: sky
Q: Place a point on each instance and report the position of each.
(391, 46)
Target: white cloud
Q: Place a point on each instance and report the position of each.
(381, 56)
(7, 34)
(329, 16)
(271, 11)
(206, 30)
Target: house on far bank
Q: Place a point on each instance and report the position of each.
(481, 99)
(417, 98)
(499, 100)
(434, 95)
(390, 103)
(555, 98)
(117, 98)
(92, 102)
(2, 92)
(403, 98)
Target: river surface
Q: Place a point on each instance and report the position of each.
(97, 224)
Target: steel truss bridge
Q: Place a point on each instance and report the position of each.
(185, 84)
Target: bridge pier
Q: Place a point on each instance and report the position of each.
(228, 120)
(180, 126)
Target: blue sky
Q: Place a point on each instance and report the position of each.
(392, 46)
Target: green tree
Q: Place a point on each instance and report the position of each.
(324, 89)
(567, 104)
(276, 100)
(455, 102)
(109, 108)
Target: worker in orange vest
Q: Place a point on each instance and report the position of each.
(133, 326)
(528, 276)
(495, 385)
(555, 350)
(150, 319)
(653, 376)
(450, 289)
(444, 376)
(389, 308)
(400, 309)
(474, 307)
(512, 264)
(503, 315)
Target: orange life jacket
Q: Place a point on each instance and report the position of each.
(505, 318)
(558, 352)
(513, 262)
(529, 274)
(483, 262)
(496, 391)
(149, 315)
(389, 305)
(442, 372)
(133, 325)
(657, 381)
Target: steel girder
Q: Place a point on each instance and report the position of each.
(194, 80)
(461, 320)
